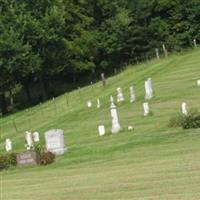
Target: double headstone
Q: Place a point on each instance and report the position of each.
(55, 141)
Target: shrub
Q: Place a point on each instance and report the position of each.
(12, 159)
(4, 162)
(46, 158)
(192, 120)
(175, 121)
(38, 148)
(7, 161)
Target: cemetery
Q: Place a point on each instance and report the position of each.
(99, 100)
(109, 136)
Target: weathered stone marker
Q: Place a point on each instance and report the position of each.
(27, 158)
(114, 116)
(146, 108)
(132, 94)
(8, 145)
(120, 96)
(101, 129)
(55, 141)
(98, 103)
(184, 108)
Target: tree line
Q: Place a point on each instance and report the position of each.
(44, 40)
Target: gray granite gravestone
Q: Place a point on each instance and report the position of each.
(55, 141)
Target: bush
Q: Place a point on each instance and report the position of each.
(12, 159)
(4, 162)
(7, 161)
(192, 120)
(46, 158)
(176, 120)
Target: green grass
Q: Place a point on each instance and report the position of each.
(152, 162)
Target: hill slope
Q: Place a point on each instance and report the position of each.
(152, 162)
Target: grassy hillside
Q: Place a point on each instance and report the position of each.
(152, 162)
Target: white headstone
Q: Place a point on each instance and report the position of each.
(115, 121)
(101, 129)
(29, 140)
(36, 137)
(98, 103)
(148, 89)
(8, 145)
(184, 108)
(146, 108)
(55, 141)
(198, 83)
(89, 104)
(120, 96)
(132, 94)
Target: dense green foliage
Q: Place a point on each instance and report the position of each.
(48, 40)
(7, 160)
(192, 120)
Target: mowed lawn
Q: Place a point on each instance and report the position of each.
(152, 162)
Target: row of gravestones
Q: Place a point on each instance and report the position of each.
(54, 140)
(120, 98)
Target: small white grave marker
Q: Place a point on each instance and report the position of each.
(36, 137)
(89, 104)
(148, 89)
(184, 108)
(98, 103)
(8, 145)
(101, 129)
(198, 83)
(146, 108)
(132, 94)
(130, 128)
